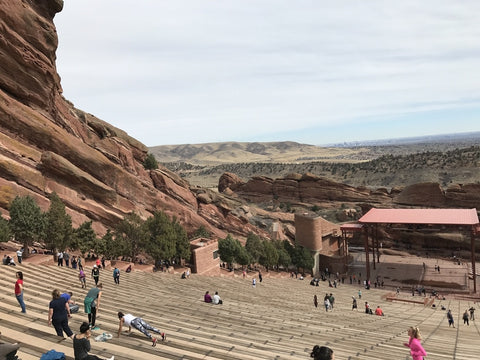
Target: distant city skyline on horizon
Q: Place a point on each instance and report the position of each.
(192, 72)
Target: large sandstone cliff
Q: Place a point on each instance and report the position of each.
(47, 145)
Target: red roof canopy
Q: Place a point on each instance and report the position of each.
(421, 216)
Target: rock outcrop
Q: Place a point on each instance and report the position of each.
(306, 188)
(48, 145)
(432, 195)
(311, 189)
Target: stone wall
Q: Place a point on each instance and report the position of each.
(308, 231)
(203, 256)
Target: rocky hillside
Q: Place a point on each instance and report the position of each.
(372, 166)
(309, 190)
(47, 145)
(253, 152)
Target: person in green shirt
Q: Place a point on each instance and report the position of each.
(92, 304)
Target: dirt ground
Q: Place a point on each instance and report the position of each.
(406, 271)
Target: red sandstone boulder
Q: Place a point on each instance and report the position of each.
(423, 194)
(467, 195)
(229, 181)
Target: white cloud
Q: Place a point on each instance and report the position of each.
(200, 71)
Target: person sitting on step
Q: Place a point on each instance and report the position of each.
(81, 344)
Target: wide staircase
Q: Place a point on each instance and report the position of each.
(274, 320)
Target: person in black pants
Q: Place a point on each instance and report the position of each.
(58, 314)
(92, 304)
(81, 344)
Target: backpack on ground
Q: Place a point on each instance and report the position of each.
(74, 308)
(53, 355)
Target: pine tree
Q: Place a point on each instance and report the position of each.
(150, 163)
(132, 232)
(26, 221)
(58, 225)
(84, 237)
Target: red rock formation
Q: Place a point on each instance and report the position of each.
(229, 181)
(306, 188)
(48, 145)
(311, 189)
(467, 196)
(423, 194)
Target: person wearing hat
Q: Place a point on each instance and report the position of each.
(96, 274)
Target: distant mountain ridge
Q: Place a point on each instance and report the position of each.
(235, 152)
(291, 151)
(443, 159)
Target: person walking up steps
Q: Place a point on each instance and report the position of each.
(58, 314)
(139, 324)
(82, 278)
(465, 318)
(450, 319)
(95, 274)
(19, 290)
(116, 276)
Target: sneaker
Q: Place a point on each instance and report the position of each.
(154, 342)
(95, 328)
(163, 336)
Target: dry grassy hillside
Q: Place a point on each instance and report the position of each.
(247, 152)
(443, 160)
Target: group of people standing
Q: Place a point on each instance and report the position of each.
(64, 257)
(59, 312)
(328, 301)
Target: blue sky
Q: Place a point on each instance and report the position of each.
(317, 72)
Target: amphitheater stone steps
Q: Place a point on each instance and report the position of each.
(274, 320)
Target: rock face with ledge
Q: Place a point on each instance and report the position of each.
(48, 145)
(312, 189)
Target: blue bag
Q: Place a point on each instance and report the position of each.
(53, 355)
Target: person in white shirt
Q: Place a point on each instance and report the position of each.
(216, 299)
(139, 324)
(19, 255)
(60, 258)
